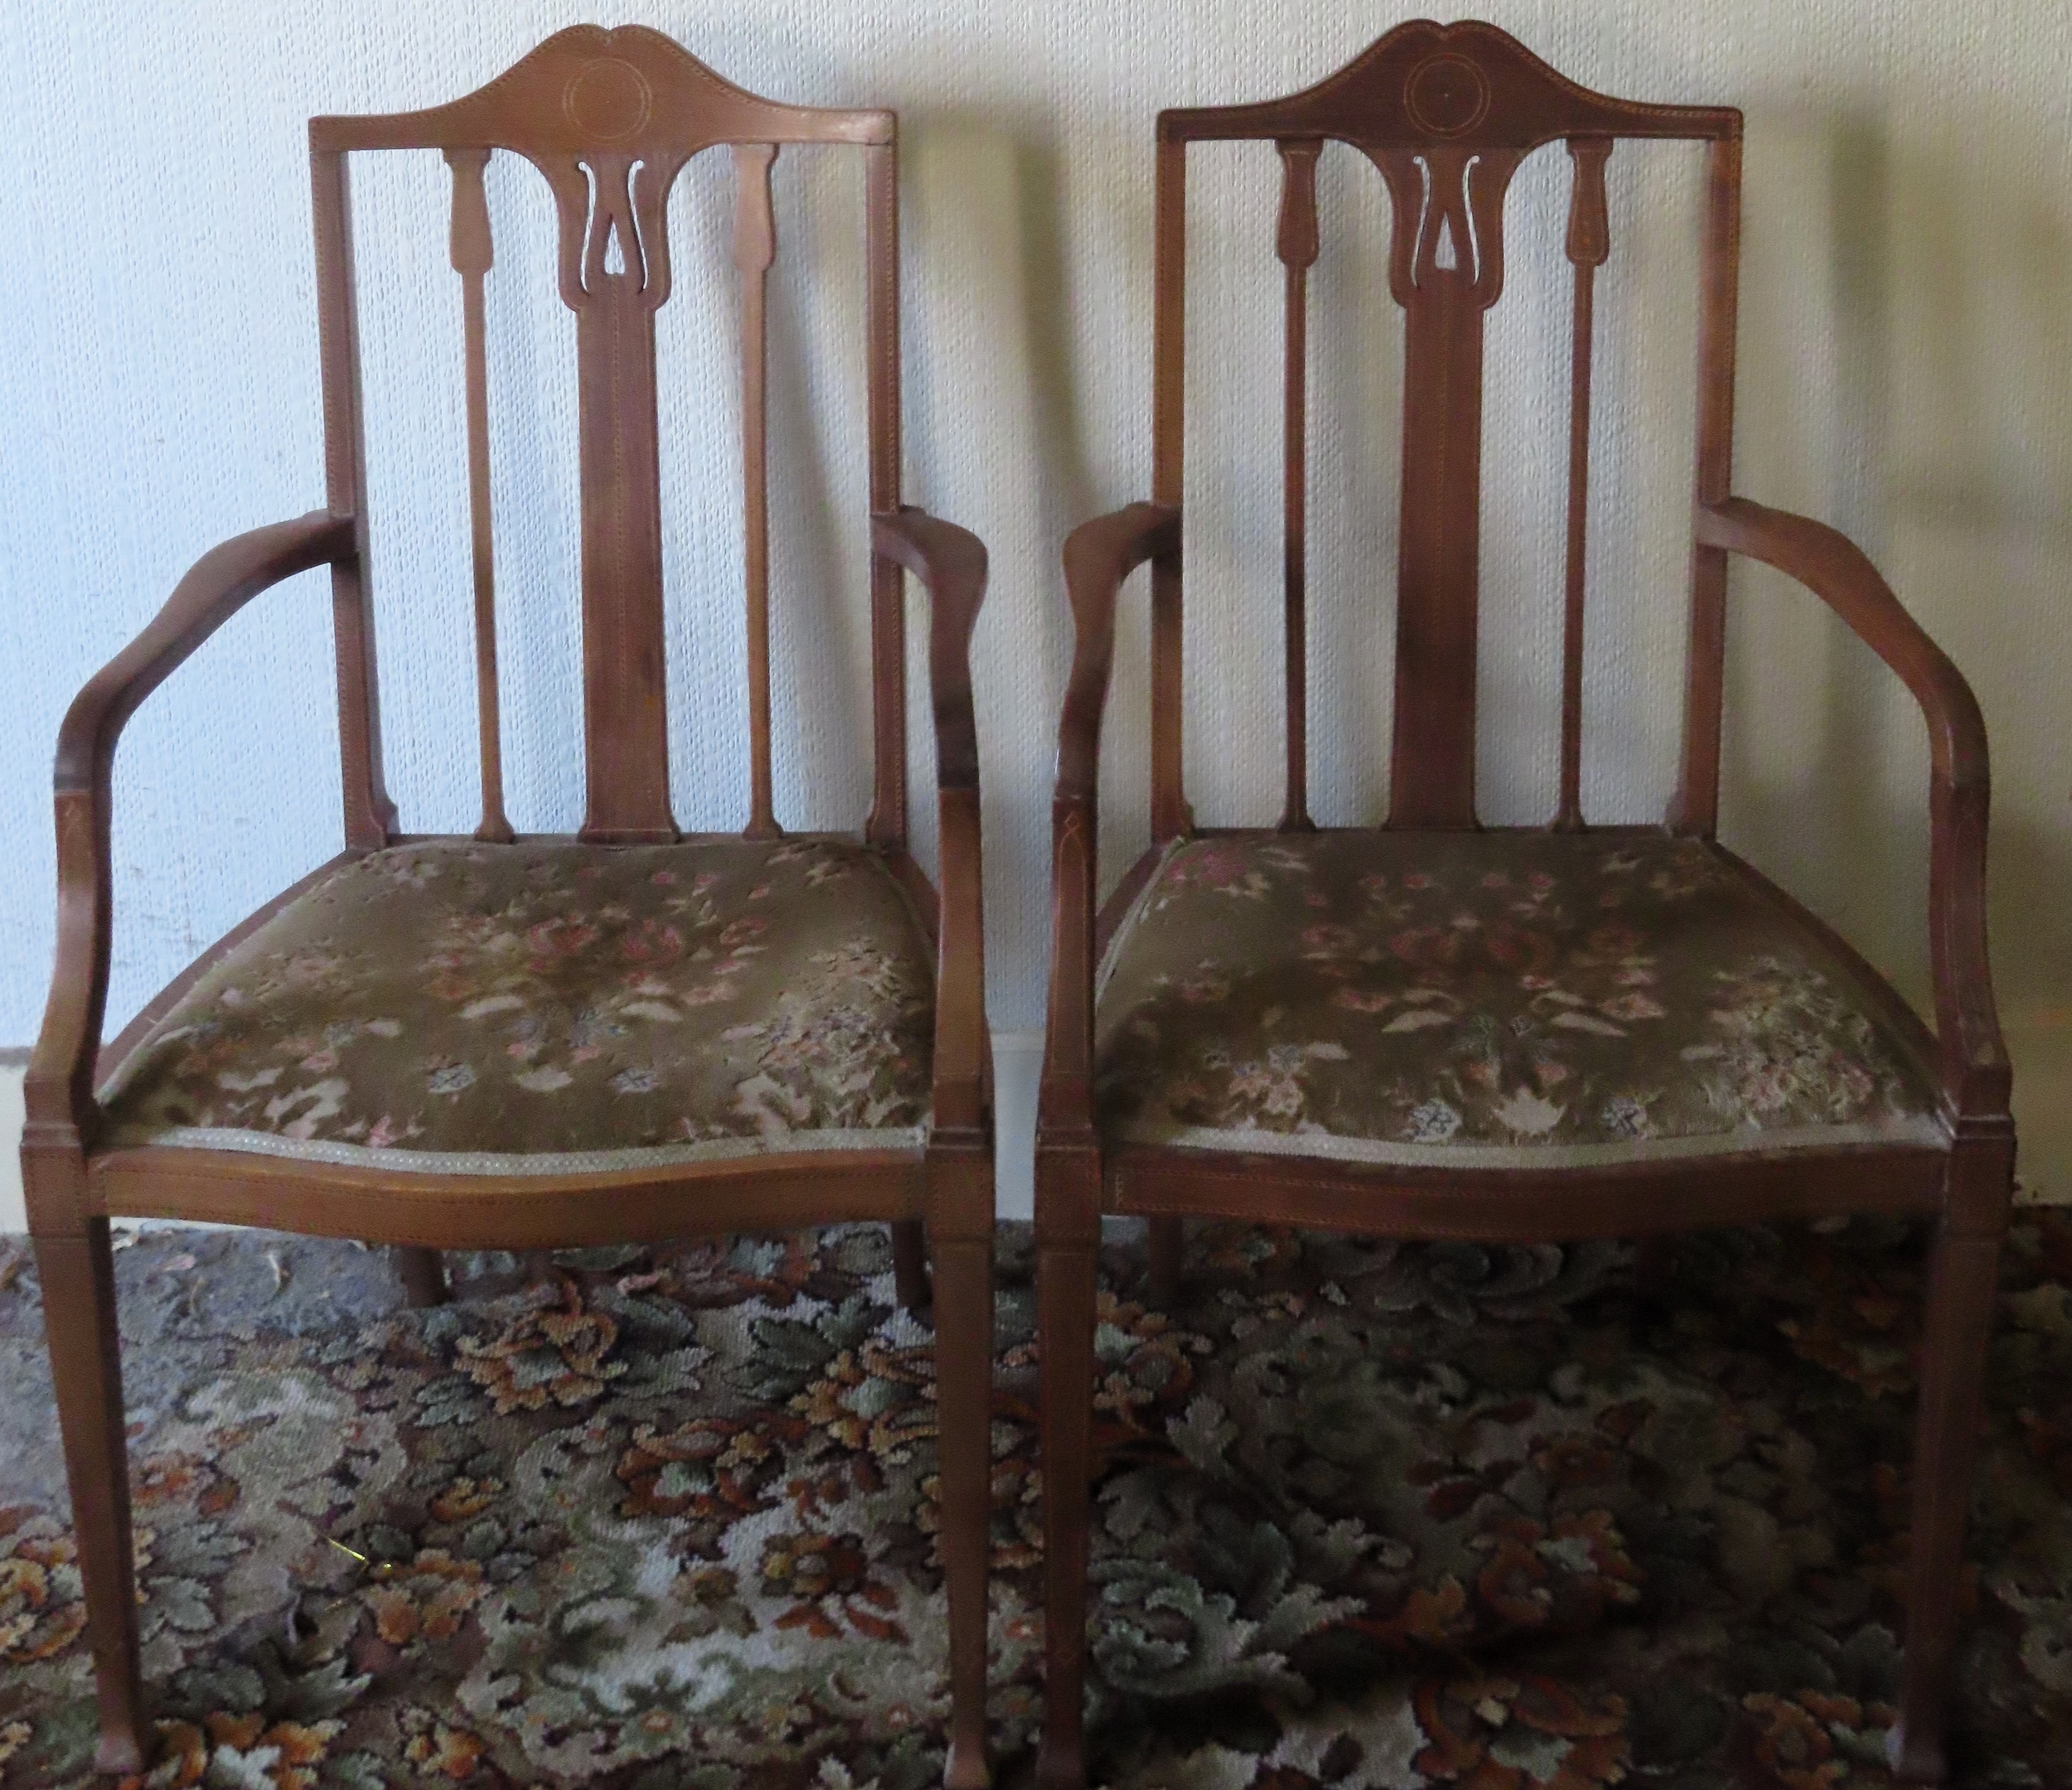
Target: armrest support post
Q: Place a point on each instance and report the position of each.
(1099, 555)
(1975, 1072)
(58, 1091)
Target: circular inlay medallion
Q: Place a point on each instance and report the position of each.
(608, 98)
(1447, 95)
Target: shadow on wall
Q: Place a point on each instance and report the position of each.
(1903, 364)
(989, 192)
(1069, 493)
(1068, 490)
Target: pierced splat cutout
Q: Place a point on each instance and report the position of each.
(612, 230)
(1448, 205)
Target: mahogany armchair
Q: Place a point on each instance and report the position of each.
(533, 1042)
(1432, 1029)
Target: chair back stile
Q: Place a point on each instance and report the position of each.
(1446, 114)
(610, 118)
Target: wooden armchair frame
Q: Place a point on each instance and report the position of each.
(1448, 98)
(623, 111)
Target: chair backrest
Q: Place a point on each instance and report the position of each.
(610, 118)
(1446, 113)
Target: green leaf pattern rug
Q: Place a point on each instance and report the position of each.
(1369, 1515)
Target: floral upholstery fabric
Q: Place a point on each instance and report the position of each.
(1499, 999)
(550, 1006)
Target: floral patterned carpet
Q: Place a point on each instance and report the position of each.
(1370, 1515)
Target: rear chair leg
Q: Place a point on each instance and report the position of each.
(1962, 1275)
(78, 1274)
(1168, 1241)
(424, 1276)
(910, 1265)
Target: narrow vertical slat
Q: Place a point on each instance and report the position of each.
(1696, 807)
(1170, 814)
(1589, 245)
(754, 249)
(888, 822)
(1296, 244)
(473, 253)
(370, 816)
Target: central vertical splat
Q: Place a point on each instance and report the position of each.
(1445, 270)
(622, 284)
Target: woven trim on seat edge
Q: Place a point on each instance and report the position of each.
(1921, 1130)
(549, 1163)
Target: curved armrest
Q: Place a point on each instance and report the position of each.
(59, 1086)
(951, 562)
(1099, 555)
(1975, 1070)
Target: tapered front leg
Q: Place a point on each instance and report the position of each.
(424, 1276)
(78, 1274)
(1068, 1234)
(961, 1229)
(1166, 1244)
(910, 1265)
(1964, 1271)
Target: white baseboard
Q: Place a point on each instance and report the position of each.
(2040, 1041)
(1017, 1060)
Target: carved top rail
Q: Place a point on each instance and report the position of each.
(631, 104)
(1430, 86)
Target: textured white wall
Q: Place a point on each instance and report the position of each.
(1906, 351)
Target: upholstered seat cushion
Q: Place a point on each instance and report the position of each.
(1488, 999)
(549, 1007)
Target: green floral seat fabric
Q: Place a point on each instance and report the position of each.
(1491, 1000)
(553, 1007)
